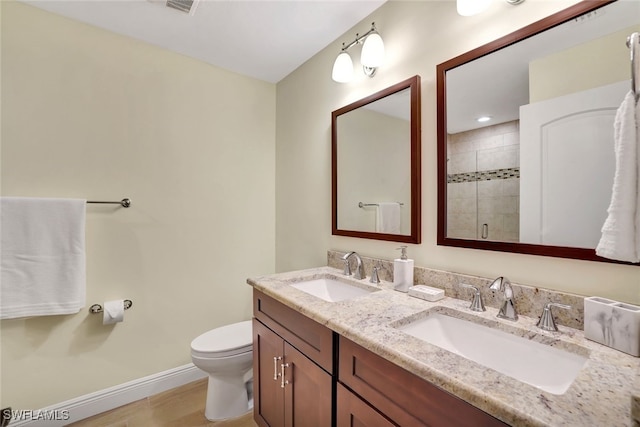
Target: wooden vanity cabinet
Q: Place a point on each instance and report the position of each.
(305, 375)
(404, 399)
(292, 367)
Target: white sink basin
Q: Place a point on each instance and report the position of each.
(332, 290)
(542, 366)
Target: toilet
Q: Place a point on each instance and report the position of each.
(226, 354)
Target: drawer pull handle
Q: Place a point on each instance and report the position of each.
(282, 380)
(275, 367)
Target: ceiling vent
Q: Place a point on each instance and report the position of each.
(186, 6)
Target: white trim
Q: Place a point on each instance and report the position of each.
(104, 400)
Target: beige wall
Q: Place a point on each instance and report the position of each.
(579, 68)
(418, 36)
(89, 114)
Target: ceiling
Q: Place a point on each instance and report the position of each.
(263, 39)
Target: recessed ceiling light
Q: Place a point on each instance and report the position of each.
(483, 119)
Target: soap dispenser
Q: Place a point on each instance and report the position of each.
(402, 271)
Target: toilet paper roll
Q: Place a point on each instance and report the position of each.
(113, 312)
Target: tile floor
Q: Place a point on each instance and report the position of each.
(179, 407)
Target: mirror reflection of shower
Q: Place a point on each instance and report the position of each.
(483, 189)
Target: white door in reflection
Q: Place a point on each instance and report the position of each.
(567, 166)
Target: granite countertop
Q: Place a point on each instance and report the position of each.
(602, 393)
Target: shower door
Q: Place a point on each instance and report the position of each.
(483, 183)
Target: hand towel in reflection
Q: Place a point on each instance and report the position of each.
(388, 218)
(43, 256)
(621, 231)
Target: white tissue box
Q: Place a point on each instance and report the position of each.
(612, 323)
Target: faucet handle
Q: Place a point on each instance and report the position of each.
(546, 321)
(476, 302)
(374, 275)
(347, 267)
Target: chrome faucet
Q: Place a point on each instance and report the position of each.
(374, 275)
(476, 303)
(508, 308)
(546, 321)
(360, 274)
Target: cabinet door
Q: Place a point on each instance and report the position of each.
(307, 391)
(353, 412)
(268, 396)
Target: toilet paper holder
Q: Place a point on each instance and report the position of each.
(97, 308)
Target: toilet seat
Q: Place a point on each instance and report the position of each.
(224, 341)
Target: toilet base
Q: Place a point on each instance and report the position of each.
(227, 397)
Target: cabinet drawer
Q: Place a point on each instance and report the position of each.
(353, 412)
(402, 396)
(308, 336)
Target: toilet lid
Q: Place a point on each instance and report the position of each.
(225, 341)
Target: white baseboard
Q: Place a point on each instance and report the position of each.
(95, 403)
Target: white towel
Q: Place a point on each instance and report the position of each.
(621, 231)
(388, 218)
(43, 256)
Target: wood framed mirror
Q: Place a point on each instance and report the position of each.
(375, 165)
(537, 178)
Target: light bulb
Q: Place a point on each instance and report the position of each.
(342, 68)
(372, 51)
(471, 7)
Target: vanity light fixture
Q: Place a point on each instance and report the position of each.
(483, 119)
(474, 7)
(371, 57)
(342, 68)
(471, 7)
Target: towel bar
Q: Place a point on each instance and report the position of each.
(97, 308)
(362, 205)
(633, 43)
(124, 202)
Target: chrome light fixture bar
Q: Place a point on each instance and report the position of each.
(371, 57)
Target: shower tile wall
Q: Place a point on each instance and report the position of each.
(483, 183)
